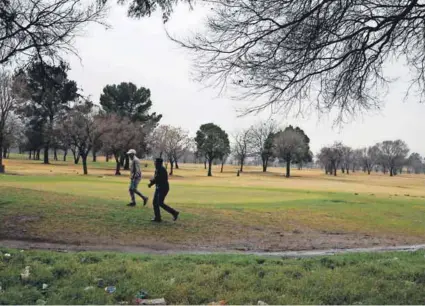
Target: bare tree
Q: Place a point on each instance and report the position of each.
(370, 157)
(287, 144)
(356, 160)
(180, 142)
(415, 163)
(8, 103)
(287, 51)
(42, 28)
(262, 141)
(158, 140)
(242, 147)
(347, 159)
(393, 155)
(83, 129)
(121, 135)
(331, 157)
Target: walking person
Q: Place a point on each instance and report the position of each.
(135, 177)
(162, 188)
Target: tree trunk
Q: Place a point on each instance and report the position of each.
(288, 168)
(122, 160)
(391, 171)
(118, 167)
(172, 167)
(30, 154)
(107, 158)
(205, 165)
(177, 165)
(94, 156)
(348, 170)
(84, 160)
(242, 162)
(46, 154)
(4, 152)
(265, 162)
(55, 154)
(127, 162)
(76, 157)
(342, 170)
(65, 153)
(222, 166)
(209, 167)
(334, 171)
(368, 171)
(1, 158)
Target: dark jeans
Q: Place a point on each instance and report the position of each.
(158, 201)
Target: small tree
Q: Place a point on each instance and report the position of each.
(242, 146)
(347, 159)
(331, 157)
(82, 129)
(212, 142)
(287, 145)
(393, 154)
(262, 141)
(370, 157)
(7, 105)
(131, 135)
(415, 163)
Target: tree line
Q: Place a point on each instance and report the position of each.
(390, 157)
(42, 112)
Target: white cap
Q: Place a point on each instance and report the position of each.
(131, 151)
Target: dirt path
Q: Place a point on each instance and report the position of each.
(31, 245)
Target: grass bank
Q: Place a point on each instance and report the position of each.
(386, 278)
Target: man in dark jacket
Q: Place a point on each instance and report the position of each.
(162, 187)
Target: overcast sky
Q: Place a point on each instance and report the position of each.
(139, 51)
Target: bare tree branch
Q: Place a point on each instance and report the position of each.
(43, 28)
(309, 54)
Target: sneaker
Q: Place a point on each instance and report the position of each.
(131, 204)
(145, 201)
(156, 220)
(176, 216)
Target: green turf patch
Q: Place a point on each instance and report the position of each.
(73, 278)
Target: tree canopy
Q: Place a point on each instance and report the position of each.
(48, 92)
(126, 100)
(212, 142)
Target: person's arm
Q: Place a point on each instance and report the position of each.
(155, 179)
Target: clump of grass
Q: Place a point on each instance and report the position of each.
(73, 278)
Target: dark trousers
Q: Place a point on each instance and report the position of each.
(158, 201)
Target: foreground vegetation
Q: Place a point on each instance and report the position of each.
(73, 278)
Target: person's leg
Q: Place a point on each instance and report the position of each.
(131, 191)
(135, 185)
(156, 210)
(164, 206)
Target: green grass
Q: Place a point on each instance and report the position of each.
(85, 209)
(386, 278)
